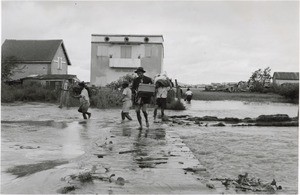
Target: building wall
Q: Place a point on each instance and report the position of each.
(279, 82)
(108, 63)
(54, 68)
(24, 70)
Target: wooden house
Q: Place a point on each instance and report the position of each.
(36, 57)
(114, 56)
(285, 77)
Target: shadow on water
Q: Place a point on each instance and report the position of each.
(147, 145)
(23, 170)
(47, 123)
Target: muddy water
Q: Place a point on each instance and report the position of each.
(264, 152)
(41, 144)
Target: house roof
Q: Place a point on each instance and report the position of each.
(52, 76)
(286, 75)
(33, 51)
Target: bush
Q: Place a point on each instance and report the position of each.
(175, 105)
(288, 90)
(106, 98)
(29, 92)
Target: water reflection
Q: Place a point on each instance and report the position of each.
(147, 144)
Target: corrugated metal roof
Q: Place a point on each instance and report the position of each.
(286, 75)
(32, 50)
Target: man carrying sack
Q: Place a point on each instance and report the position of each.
(142, 95)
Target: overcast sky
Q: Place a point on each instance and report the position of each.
(204, 41)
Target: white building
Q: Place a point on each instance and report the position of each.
(114, 56)
(285, 77)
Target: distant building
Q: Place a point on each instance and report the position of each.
(36, 57)
(285, 77)
(52, 81)
(114, 56)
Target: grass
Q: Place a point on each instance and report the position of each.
(237, 96)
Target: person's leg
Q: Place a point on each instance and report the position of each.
(155, 112)
(61, 100)
(67, 99)
(163, 107)
(144, 109)
(89, 114)
(138, 114)
(84, 115)
(123, 116)
(128, 116)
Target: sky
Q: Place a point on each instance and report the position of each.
(204, 41)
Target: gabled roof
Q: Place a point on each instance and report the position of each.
(286, 75)
(33, 51)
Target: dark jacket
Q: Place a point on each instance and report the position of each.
(138, 80)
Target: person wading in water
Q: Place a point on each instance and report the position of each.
(141, 102)
(84, 101)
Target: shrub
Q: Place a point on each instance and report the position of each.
(106, 98)
(118, 84)
(29, 92)
(175, 105)
(288, 90)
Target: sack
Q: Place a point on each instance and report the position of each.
(163, 83)
(146, 90)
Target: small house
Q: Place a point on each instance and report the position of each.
(285, 77)
(114, 56)
(51, 81)
(36, 57)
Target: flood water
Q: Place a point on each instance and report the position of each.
(40, 143)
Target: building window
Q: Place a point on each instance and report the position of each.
(59, 62)
(126, 51)
(148, 49)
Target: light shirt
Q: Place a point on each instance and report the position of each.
(127, 92)
(84, 96)
(162, 92)
(188, 93)
(65, 86)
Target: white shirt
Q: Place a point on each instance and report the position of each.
(127, 92)
(84, 95)
(162, 92)
(189, 93)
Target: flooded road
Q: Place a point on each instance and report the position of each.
(43, 145)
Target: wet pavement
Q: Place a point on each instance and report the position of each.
(51, 150)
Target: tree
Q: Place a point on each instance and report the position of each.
(260, 79)
(117, 84)
(7, 66)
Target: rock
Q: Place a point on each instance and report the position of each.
(231, 119)
(66, 189)
(273, 118)
(210, 185)
(209, 118)
(120, 181)
(219, 125)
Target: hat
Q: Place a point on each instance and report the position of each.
(140, 69)
(125, 84)
(81, 84)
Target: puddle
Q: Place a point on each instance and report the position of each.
(24, 170)
(48, 123)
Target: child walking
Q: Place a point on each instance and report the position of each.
(84, 101)
(126, 100)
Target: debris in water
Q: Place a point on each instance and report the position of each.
(120, 181)
(67, 189)
(128, 151)
(210, 185)
(244, 183)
